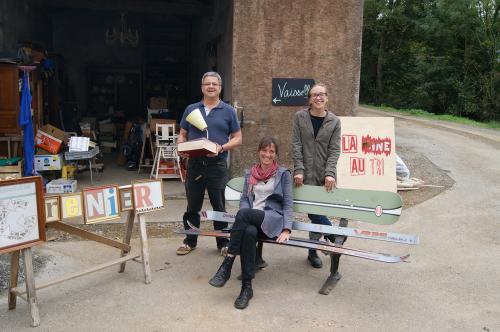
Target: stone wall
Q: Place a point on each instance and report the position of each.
(318, 39)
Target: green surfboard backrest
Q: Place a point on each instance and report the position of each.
(376, 207)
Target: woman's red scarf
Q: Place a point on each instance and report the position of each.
(257, 173)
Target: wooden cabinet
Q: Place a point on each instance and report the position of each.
(9, 99)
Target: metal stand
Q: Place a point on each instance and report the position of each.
(335, 276)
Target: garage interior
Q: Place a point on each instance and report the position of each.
(108, 62)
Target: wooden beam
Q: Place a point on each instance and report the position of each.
(186, 8)
(128, 236)
(88, 235)
(19, 291)
(14, 277)
(30, 287)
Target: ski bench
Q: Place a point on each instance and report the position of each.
(376, 207)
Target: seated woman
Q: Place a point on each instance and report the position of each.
(265, 212)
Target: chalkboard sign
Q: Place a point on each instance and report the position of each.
(291, 91)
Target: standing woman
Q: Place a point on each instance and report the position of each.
(316, 149)
(265, 212)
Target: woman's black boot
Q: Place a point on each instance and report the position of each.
(245, 295)
(223, 273)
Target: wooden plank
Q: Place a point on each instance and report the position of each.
(30, 287)
(88, 235)
(19, 291)
(144, 248)
(14, 275)
(128, 236)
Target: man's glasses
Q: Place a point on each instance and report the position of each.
(210, 84)
(320, 94)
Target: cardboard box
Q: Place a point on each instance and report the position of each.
(167, 167)
(48, 162)
(153, 122)
(61, 186)
(108, 128)
(50, 138)
(158, 103)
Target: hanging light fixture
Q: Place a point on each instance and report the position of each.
(124, 36)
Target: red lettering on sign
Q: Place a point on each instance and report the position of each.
(357, 166)
(370, 233)
(376, 146)
(142, 197)
(349, 144)
(377, 166)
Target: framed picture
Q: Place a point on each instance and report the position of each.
(22, 214)
(148, 195)
(71, 205)
(126, 199)
(101, 203)
(52, 208)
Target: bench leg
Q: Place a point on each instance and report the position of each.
(334, 276)
(260, 263)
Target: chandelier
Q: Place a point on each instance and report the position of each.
(124, 36)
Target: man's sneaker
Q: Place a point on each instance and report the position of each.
(315, 261)
(184, 249)
(223, 251)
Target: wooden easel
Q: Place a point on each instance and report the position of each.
(29, 294)
(146, 136)
(29, 281)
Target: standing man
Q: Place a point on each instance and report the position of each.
(316, 149)
(208, 172)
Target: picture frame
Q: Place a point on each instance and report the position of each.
(148, 195)
(22, 214)
(126, 199)
(71, 205)
(101, 203)
(52, 208)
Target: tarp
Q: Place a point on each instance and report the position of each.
(26, 124)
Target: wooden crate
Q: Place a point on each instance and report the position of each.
(11, 172)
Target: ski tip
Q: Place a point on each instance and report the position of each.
(405, 258)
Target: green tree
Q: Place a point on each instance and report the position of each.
(438, 55)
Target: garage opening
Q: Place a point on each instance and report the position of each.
(116, 59)
(112, 61)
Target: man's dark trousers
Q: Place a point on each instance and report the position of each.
(208, 173)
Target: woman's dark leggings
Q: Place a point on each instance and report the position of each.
(244, 234)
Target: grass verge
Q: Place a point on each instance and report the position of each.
(442, 117)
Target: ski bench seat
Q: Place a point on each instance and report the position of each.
(376, 207)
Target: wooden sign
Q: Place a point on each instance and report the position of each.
(126, 202)
(101, 203)
(291, 91)
(22, 214)
(71, 205)
(367, 154)
(148, 195)
(52, 208)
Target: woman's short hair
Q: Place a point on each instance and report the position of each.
(268, 141)
(315, 85)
